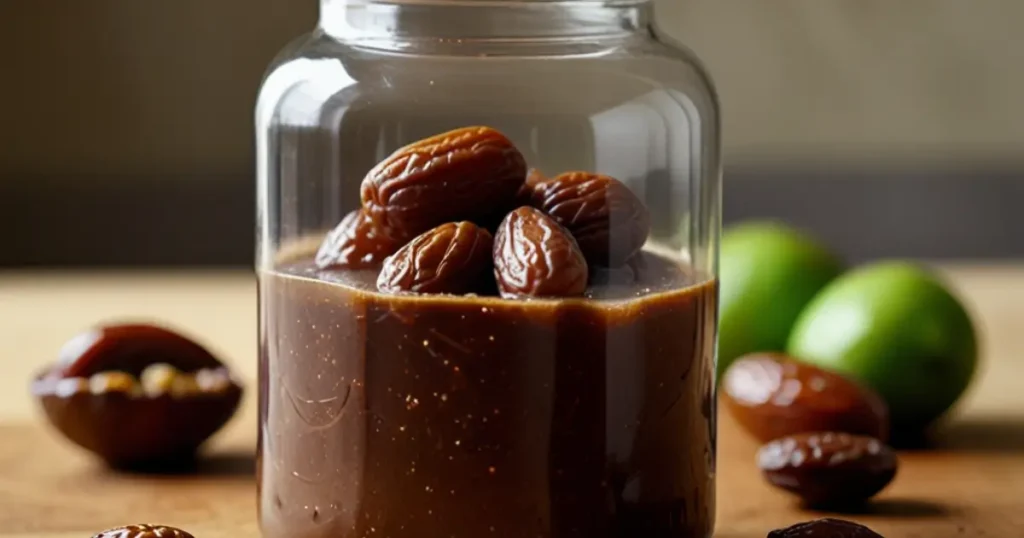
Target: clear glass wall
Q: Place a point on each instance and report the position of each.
(411, 414)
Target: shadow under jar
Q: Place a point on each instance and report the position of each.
(464, 416)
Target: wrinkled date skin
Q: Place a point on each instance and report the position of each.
(825, 528)
(470, 174)
(143, 531)
(125, 427)
(828, 469)
(535, 257)
(608, 221)
(355, 243)
(773, 395)
(453, 258)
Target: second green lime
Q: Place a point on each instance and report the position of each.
(897, 328)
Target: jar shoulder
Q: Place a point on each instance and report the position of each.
(318, 71)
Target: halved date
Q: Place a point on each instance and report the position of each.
(608, 221)
(138, 396)
(452, 258)
(535, 256)
(355, 243)
(143, 531)
(465, 174)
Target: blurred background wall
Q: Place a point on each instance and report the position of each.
(153, 101)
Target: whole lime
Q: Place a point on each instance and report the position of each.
(896, 327)
(768, 272)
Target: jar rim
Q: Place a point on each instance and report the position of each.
(579, 3)
(491, 19)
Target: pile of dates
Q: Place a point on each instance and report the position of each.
(825, 435)
(460, 213)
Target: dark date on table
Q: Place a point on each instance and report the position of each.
(825, 528)
(137, 395)
(828, 469)
(143, 531)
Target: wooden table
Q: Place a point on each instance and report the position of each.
(972, 486)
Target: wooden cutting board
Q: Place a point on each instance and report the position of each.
(973, 486)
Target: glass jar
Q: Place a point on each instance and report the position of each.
(561, 384)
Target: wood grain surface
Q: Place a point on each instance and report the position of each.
(969, 484)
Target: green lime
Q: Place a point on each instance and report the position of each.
(897, 328)
(768, 272)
